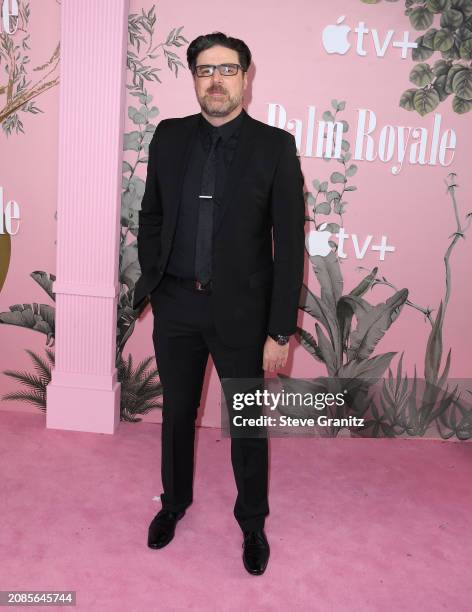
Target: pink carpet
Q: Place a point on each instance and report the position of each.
(354, 525)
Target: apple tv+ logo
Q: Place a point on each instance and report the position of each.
(317, 242)
(335, 39)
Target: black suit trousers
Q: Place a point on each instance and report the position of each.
(184, 335)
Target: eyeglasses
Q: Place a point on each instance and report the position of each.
(206, 70)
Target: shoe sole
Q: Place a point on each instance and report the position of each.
(157, 546)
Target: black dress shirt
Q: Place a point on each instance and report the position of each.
(182, 256)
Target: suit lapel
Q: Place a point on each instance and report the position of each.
(237, 169)
(183, 147)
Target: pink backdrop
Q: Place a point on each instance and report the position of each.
(293, 69)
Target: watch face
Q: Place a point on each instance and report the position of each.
(280, 339)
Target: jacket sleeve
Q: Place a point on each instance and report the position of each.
(288, 223)
(150, 215)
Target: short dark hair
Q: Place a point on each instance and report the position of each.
(206, 41)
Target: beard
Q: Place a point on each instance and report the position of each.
(221, 107)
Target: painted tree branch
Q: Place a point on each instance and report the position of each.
(32, 93)
(459, 233)
(15, 102)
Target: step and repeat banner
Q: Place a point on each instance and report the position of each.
(378, 95)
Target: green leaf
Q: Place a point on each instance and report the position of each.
(350, 188)
(421, 75)
(421, 18)
(464, 32)
(328, 273)
(351, 170)
(443, 40)
(138, 119)
(465, 49)
(440, 86)
(437, 6)
(308, 343)
(337, 177)
(464, 6)
(365, 284)
(461, 106)
(131, 141)
(452, 53)
(462, 84)
(434, 348)
(445, 374)
(372, 322)
(324, 186)
(372, 368)
(327, 116)
(441, 67)
(310, 200)
(327, 351)
(456, 68)
(407, 99)
(323, 208)
(421, 52)
(34, 316)
(340, 207)
(333, 228)
(313, 305)
(45, 281)
(452, 19)
(428, 38)
(333, 195)
(316, 184)
(426, 101)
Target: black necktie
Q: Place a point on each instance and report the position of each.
(205, 214)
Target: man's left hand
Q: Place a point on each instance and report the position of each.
(275, 356)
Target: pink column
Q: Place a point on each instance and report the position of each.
(84, 394)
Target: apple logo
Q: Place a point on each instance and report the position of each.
(317, 241)
(335, 37)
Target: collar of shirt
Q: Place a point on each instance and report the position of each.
(226, 131)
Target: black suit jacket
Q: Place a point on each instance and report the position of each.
(258, 253)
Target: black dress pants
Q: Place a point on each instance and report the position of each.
(184, 335)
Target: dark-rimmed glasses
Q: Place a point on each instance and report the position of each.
(207, 70)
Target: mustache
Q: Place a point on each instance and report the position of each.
(216, 89)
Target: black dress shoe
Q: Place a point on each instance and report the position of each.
(162, 528)
(256, 551)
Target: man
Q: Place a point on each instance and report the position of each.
(219, 183)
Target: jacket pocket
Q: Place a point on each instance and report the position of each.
(261, 277)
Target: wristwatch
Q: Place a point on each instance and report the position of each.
(280, 338)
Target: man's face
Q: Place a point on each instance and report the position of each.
(219, 95)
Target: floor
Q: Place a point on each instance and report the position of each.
(354, 525)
